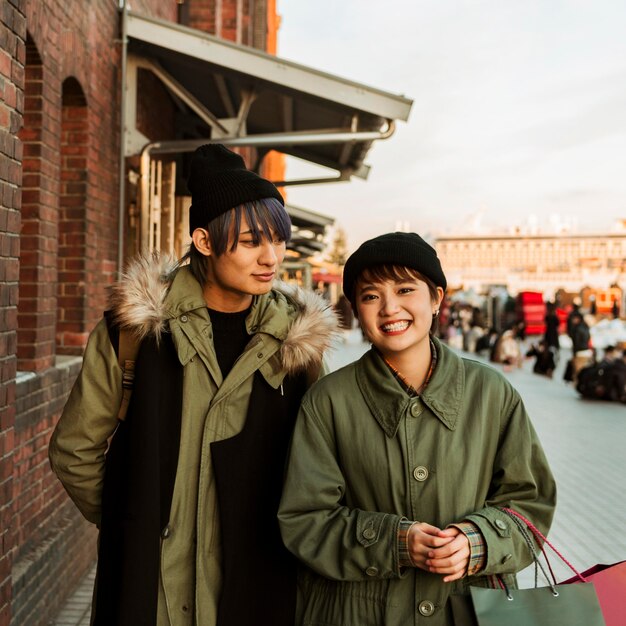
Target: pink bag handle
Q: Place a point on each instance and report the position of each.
(539, 535)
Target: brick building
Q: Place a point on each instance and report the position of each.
(91, 173)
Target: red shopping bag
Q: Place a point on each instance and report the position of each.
(610, 584)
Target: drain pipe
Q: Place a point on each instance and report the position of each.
(304, 138)
(122, 169)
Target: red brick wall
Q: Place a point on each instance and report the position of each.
(205, 15)
(65, 218)
(54, 546)
(12, 58)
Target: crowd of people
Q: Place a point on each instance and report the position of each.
(593, 376)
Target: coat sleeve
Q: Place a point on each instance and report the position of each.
(332, 539)
(521, 480)
(80, 439)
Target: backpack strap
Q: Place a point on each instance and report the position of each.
(128, 347)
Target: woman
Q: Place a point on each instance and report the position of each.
(401, 462)
(551, 335)
(186, 495)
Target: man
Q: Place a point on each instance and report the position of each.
(582, 354)
(186, 494)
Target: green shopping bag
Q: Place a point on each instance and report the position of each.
(554, 605)
(567, 605)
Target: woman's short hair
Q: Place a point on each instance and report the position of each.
(266, 218)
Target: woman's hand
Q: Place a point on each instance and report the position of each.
(423, 540)
(451, 558)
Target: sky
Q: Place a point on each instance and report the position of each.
(519, 113)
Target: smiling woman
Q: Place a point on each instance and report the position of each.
(409, 432)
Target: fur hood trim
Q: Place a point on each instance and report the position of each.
(314, 330)
(138, 298)
(138, 304)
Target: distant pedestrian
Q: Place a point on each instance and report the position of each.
(575, 310)
(551, 335)
(485, 343)
(544, 358)
(507, 350)
(615, 309)
(411, 431)
(582, 353)
(186, 494)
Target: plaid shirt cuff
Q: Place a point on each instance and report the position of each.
(404, 558)
(478, 548)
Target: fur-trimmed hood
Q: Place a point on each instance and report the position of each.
(139, 302)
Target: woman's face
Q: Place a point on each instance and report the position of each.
(396, 315)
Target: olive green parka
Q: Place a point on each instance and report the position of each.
(365, 455)
(289, 330)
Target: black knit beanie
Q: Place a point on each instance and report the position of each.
(219, 181)
(405, 249)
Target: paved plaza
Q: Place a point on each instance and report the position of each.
(585, 442)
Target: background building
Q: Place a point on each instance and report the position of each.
(546, 263)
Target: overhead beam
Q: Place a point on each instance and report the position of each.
(185, 95)
(266, 67)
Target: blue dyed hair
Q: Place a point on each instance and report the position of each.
(266, 218)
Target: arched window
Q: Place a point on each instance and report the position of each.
(71, 325)
(35, 334)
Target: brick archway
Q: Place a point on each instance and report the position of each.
(35, 335)
(72, 326)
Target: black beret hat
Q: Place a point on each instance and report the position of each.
(405, 249)
(219, 181)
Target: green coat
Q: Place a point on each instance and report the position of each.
(364, 455)
(154, 299)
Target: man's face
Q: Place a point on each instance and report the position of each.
(247, 271)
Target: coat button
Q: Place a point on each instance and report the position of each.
(415, 409)
(184, 318)
(259, 355)
(371, 571)
(369, 533)
(501, 525)
(426, 608)
(165, 533)
(420, 473)
(505, 558)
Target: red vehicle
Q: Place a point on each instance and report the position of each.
(531, 309)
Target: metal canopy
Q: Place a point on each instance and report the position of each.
(308, 230)
(241, 96)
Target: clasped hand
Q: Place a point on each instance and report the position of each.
(444, 552)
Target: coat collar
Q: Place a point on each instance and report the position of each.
(155, 294)
(388, 401)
